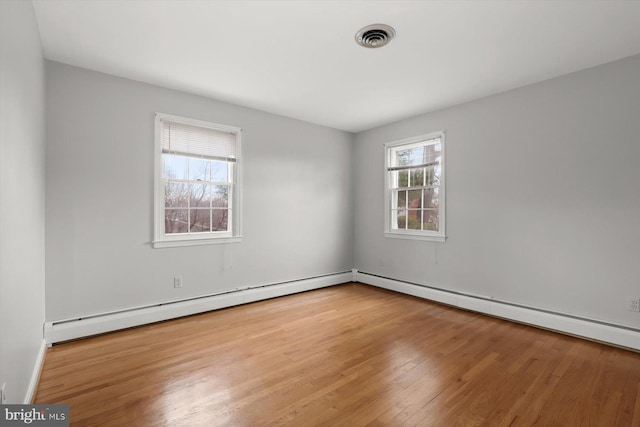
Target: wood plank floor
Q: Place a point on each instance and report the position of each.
(349, 355)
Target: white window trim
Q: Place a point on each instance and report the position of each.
(162, 240)
(440, 235)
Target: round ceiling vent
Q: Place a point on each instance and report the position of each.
(375, 35)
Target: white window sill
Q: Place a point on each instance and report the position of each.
(195, 242)
(412, 236)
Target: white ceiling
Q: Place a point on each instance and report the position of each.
(299, 58)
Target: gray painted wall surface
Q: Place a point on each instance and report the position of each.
(543, 196)
(22, 188)
(297, 198)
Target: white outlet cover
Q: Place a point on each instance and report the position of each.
(633, 304)
(3, 393)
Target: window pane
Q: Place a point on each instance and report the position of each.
(403, 178)
(401, 215)
(417, 177)
(401, 199)
(220, 196)
(433, 175)
(431, 197)
(430, 220)
(417, 155)
(411, 156)
(176, 221)
(199, 169)
(432, 153)
(176, 194)
(219, 219)
(200, 220)
(414, 219)
(200, 195)
(402, 157)
(415, 199)
(219, 171)
(175, 167)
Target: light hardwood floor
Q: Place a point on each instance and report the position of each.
(349, 355)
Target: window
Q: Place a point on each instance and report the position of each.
(197, 182)
(414, 184)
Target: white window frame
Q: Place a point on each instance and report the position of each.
(234, 235)
(435, 236)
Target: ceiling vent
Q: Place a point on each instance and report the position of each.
(375, 35)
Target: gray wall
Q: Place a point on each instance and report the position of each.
(543, 196)
(297, 195)
(22, 188)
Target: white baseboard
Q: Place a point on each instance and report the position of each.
(599, 331)
(35, 375)
(108, 322)
(73, 329)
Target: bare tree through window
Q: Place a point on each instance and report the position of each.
(196, 194)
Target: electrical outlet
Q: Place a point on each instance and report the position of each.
(3, 394)
(633, 304)
(177, 282)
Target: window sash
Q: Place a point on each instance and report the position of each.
(229, 202)
(210, 212)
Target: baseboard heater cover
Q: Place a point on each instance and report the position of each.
(65, 330)
(619, 335)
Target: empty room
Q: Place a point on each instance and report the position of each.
(319, 213)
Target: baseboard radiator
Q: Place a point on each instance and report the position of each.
(618, 335)
(69, 329)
